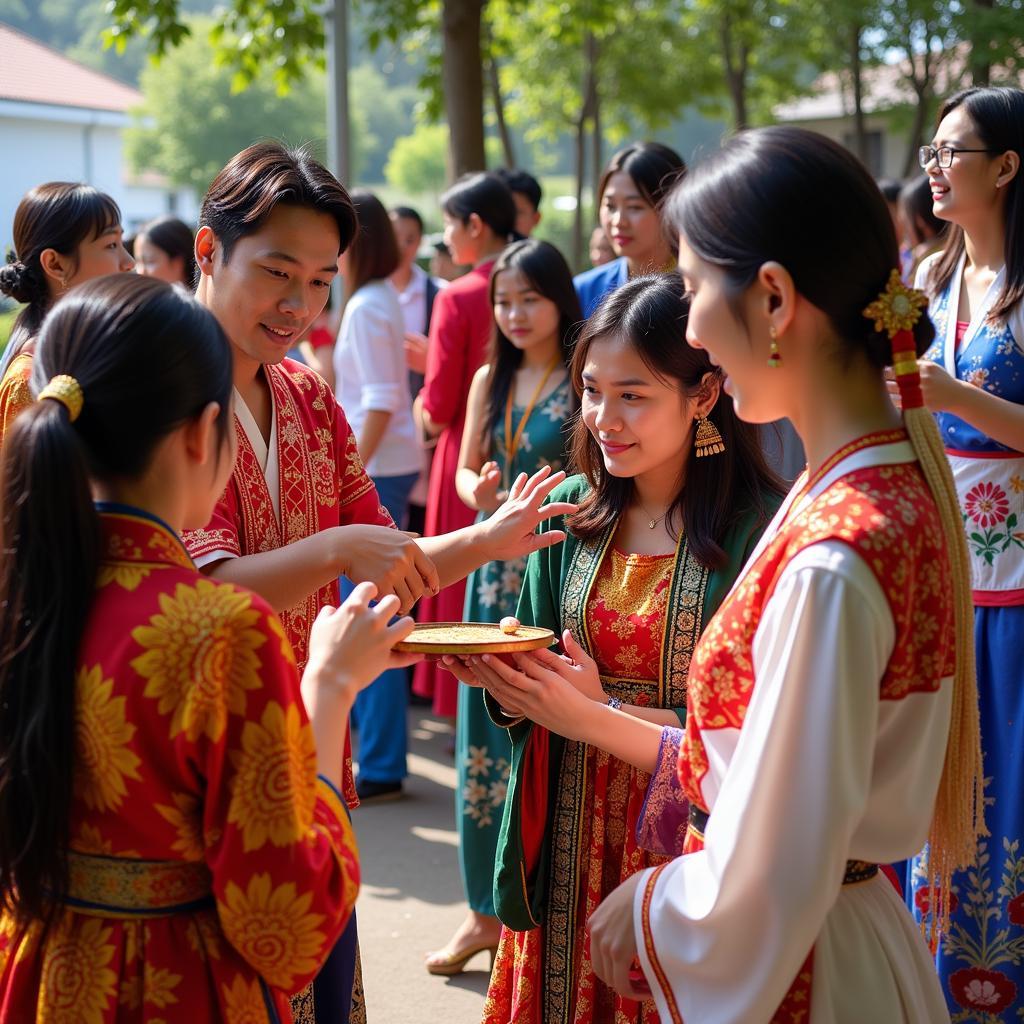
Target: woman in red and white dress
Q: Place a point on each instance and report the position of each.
(831, 708)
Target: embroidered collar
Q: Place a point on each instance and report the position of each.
(134, 535)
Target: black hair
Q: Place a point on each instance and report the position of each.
(408, 213)
(765, 195)
(522, 182)
(890, 189)
(653, 168)
(549, 275)
(650, 314)
(148, 358)
(917, 211)
(488, 197)
(246, 191)
(59, 215)
(998, 117)
(175, 238)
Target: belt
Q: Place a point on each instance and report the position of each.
(856, 870)
(127, 887)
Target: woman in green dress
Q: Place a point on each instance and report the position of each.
(519, 405)
(673, 493)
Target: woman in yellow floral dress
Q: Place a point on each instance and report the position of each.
(172, 843)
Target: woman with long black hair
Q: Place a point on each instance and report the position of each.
(171, 828)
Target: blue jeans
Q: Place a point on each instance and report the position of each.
(379, 712)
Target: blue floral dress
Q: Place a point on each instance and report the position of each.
(482, 750)
(981, 960)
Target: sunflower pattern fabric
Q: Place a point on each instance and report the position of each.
(211, 870)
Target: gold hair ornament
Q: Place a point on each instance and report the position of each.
(66, 390)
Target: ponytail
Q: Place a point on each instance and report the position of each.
(50, 539)
(128, 360)
(958, 819)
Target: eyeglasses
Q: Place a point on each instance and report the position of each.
(944, 154)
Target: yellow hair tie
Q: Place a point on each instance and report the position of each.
(66, 390)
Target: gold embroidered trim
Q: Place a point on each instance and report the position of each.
(125, 887)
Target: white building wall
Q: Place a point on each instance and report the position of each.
(40, 143)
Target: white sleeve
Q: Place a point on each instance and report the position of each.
(377, 355)
(722, 933)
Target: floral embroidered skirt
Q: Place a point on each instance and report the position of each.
(981, 961)
(483, 752)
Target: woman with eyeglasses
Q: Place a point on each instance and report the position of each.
(973, 380)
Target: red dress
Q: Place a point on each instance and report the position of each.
(211, 869)
(460, 330)
(626, 623)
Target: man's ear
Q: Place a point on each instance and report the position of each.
(206, 248)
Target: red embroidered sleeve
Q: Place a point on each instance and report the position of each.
(221, 533)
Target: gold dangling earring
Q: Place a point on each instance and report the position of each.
(774, 355)
(709, 440)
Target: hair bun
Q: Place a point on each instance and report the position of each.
(16, 280)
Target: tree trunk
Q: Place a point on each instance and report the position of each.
(735, 73)
(860, 134)
(463, 81)
(980, 66)
(921, 82)
(596, 156)
(498, 102)
(588, 96)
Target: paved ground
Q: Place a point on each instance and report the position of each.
(411, 899)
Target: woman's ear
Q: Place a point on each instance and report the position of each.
(1009, 167)
(474, 225)
(59, 269)
(201, 435)
(777, 299)
(708, 395)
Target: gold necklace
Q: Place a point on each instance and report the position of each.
(651, 523)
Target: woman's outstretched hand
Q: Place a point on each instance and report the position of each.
(510, 532)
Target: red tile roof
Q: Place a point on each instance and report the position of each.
(35, 73)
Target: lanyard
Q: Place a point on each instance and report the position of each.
(512, 441)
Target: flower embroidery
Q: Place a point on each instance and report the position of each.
(273, 929)
(976, 988)
(987, 504)
(77, 983)
(102, 735)
(159, 986)
(200, 656)
(275, 781)
(978, 377)
(243, 1002)
(1016, 484)
(487, 593)
(127, 576)
(478, 762)
(184, 816)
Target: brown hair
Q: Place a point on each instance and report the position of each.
(650, 314)
(374, 254)
(59, 215)
(253, 182)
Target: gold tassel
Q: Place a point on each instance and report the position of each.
(708, 440)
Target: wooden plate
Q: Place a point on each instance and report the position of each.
(473, 638)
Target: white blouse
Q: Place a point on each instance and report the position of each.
(370, 374)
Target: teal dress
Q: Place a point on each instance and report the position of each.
(483, 751)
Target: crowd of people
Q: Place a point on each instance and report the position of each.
(768, 496)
